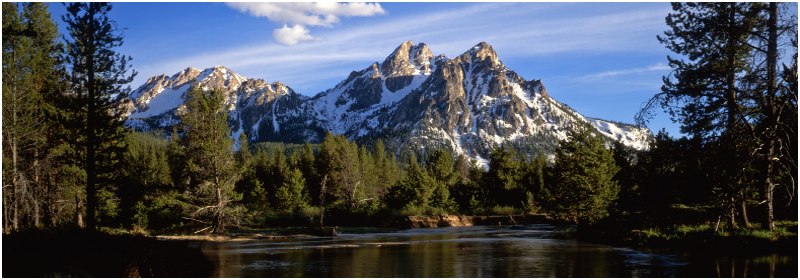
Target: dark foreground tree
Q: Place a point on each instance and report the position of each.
(772, 94)
(727, 94)
(97, 73)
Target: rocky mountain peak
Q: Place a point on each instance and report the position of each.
(483, 52)
(155, 79)
(465, 104)
(407, 60)
(420, 56)
(397, 60)
(186, 75)
(221, 77)
(278, 85)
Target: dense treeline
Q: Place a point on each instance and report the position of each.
(68, 159)
(736, 103)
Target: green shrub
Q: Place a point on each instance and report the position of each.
(415, 210)
(312, 211)
(475, 206)
(140, 216)
(505, 210)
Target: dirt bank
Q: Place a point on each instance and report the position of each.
(460, 221)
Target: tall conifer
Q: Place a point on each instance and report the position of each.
(583, 187)
(97, 74)
(210, 157)
(32, 81)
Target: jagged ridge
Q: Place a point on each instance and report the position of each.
(412, 100)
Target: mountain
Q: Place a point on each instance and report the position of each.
(412, 100)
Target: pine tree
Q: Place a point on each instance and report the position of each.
(713, 37)
(533, 179)
(409, 190)
(97, 73)
(32, 80)
(503, 179)
(327, 166)
(253, 185)
(249, 185)
(775, 104)
(440, 167)
(292, 195)
(388, 172)
(583, 185)
(349, 186)
(146, 175)
(277, 173)
(727, 93)
(309, 171)
(210, 157)
(370, 176)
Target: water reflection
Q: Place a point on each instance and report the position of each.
(481, 251)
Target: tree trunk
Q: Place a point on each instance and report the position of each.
(78, 216)
(6, 217)
(36, 185)
(322, 191)
(91, 172)
(771, 111)
(218, 219)
(745, 220)
(15, 186)
(13, 145)
(732, 213)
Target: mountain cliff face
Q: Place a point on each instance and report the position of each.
(412, 100)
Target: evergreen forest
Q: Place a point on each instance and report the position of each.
(68, 161)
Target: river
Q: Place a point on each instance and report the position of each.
(477, 251)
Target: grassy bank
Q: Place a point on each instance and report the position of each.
(729, 240)
(81, 253)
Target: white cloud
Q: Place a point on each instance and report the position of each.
(300, 15)
(290, 36)
(657, 67)
(514, 30)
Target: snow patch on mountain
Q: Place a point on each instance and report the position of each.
(629, 135)
(164, 101)
(388, 97)
(467, 103)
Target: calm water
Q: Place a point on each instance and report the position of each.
(479, 251)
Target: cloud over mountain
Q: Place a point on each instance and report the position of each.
(300, 15)
(290, 36)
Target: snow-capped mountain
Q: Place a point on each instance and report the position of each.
(412, 100)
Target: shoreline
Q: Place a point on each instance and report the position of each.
(222, 238)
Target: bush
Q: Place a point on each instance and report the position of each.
(414, 210)
(312, 211)
(505, 210)
(475, 206)
(140, 216)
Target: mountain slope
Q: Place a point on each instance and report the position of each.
(412, 100)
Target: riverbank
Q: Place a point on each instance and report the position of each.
(699, 238)
(405, 221)
(460, 221)
(83, 253)
(295, 229)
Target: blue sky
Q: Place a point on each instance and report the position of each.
(602, 59)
